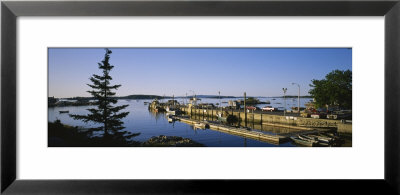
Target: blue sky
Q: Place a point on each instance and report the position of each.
(177, 71)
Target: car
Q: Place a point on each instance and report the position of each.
(251, 108)
(269, 108)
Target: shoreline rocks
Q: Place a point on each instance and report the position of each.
(171, 141)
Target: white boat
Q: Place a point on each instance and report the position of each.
(170, 111)
(303, 142)
(171, 118)
(201, 125)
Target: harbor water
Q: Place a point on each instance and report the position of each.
(149, 124)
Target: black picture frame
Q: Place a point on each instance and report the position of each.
(10, 10)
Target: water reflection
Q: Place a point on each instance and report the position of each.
(141, 120)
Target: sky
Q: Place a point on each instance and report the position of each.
(200, 71)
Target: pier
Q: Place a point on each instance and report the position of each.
(257, 135)
(262, 117)
(273, 139)
(263, 126)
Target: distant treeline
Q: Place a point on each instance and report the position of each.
(141, 97)
(210, 96)
(136, 97)
(295, 96)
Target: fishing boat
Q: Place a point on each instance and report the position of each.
(303, 142)
(64, 111)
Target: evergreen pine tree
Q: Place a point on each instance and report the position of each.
(106, 112)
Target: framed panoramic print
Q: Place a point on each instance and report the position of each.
(199, 97)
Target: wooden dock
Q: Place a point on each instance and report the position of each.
(272, 139)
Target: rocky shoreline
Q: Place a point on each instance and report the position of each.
(60, 135)
(170, 141)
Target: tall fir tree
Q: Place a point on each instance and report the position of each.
(106, 112)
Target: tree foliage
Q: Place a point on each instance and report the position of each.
(106, 112)
(334, 90)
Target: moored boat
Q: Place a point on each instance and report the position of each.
(171, 118)
(64, 111)
(201, 125)
(323, 138)
(306, 137)
(303, 142)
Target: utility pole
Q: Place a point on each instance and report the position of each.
(284, 98)
(219, 94)
(298, 99)
(245, 111)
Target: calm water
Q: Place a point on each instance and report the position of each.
(149, 124)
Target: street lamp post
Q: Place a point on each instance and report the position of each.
(284, 98)
(219, 95)
(298, 99)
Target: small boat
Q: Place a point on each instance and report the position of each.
(225, 102)
(330, 135)
(323, 138)
(64, 111)
(171, 110)
(305, 137)
(335, 138)
(324, 144)
(171, 118)
(303, 142)
(201, 125)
